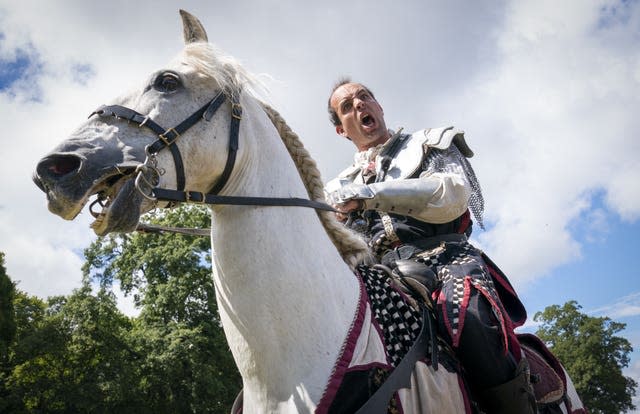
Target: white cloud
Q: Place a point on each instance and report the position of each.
(553, 126)
(76, 72)
(545, 91)
(596, 226)
(37, 264)
(627, 306)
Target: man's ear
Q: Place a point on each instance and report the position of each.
(340, 131)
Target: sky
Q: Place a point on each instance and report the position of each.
(547, 93)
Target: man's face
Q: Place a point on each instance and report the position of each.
(361, 117)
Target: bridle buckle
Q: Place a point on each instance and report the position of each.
(236, 111)
(188, 195)
(168, 141)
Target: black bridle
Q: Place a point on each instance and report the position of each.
(167, 139)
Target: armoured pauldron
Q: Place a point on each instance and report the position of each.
(408, 158)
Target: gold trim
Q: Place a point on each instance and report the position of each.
(388, 227)
(166, 140)
(233, 112)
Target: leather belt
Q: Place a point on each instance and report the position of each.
(409, 249)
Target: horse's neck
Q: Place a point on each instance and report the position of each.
(286, 298)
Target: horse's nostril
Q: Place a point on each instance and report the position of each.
(59, 165)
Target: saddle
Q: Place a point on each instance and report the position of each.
(548, 377)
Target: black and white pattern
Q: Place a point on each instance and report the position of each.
(384, 330)
(400, 323)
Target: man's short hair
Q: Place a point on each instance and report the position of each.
(333, 116)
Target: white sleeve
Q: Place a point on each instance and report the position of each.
(440, 194)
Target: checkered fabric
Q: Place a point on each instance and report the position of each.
(400, 323)
(385, 328)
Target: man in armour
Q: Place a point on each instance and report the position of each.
(410, 196)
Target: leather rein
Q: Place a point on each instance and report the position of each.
(167, 139)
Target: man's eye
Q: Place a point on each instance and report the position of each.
(346, 106)
(167, 82)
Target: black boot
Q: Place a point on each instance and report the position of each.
(513, 397)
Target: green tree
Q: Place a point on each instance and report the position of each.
(72, 355)
(29, 313)
(7, 314)
(80, 354)
(592, 354)
(7, 329)
(186, 365)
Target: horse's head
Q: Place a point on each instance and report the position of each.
(168, 121)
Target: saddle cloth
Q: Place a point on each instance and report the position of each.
(549, 381)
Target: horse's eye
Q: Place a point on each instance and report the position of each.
(167, 82)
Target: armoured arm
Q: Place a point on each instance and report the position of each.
(439, 195)
(438, 198)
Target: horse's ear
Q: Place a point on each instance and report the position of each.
(192, 29)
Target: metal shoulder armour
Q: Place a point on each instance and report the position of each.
(441, 138)
(347, 176)
(408, 159)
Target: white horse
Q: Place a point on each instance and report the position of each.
(302, 327)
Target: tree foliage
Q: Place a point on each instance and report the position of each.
(7, 329)
(7, 314)
(79, 353)
(592, 354)
(71, 355)
(187, 366)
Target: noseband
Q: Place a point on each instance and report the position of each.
(167, 139)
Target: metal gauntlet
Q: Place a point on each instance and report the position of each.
(350, 192)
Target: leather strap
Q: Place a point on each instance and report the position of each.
(130, 115)
(234, 133)
(163, 194)
(400, 377)
(167, 137)
(431, 242)
(409, 249)
(388, 153)
(177, 160)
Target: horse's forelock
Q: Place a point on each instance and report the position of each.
(224, 69)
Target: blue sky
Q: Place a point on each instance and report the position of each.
(605, 272)
(605, 281)
(546, 91)
(13, 69)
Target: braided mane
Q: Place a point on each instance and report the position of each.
(352, 248)
(232, 78)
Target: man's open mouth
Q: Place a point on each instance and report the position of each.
(368, 121)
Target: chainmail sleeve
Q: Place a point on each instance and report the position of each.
(450, 160)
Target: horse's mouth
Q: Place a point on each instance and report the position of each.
(104, 198)
(115, 206)
(115, 201)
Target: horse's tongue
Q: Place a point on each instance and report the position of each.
(123, 213)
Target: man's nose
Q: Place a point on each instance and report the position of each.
(358, 103)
